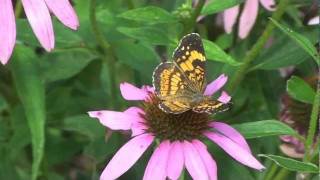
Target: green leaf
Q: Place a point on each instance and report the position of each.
(149, 14)
(302, 41)
(215, 53)
(151, 35)
(85, 125)
(218, 6)
(300, 90)
(63, 64)
(31, 92)
(264, 128)
(291, 164)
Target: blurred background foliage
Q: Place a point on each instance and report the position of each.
(124, 40)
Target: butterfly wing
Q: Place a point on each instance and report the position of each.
(211, 107)
(171, 87)
(190, 59)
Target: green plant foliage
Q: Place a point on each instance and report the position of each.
(46, 132)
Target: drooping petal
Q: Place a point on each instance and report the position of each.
(39, 18)
(314, 21)
(130, 92)
(115, 120)
(268, 4)
(127, 155)
(175, 161)
(193, 162)
(64, 12)
(229, 18)
(234, 150)
(215, 85)
(248, 17)
(224, 98)
(156, 168)
(208, 161)
(230, 133)
(7, 30)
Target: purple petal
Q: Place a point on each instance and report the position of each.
(210, 163)
(137, 124)
(224, 98)
(7, 30)
(130, 92)
(314, 21)
(193, 162)
(64, 12)
(231, 133)
(215, 85)
(229, 18)
(175, 161)
(126, 157)
(248, 17)
(156, 168)
(268, 4)
(234, 150)
(39, 18)
(115, 120)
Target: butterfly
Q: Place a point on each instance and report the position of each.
(180, 84)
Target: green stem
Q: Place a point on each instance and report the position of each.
(18, 9)
(313, 122)
(282, 174)
(271, 172)
(258, 46)
(107, 52)
(193, 19)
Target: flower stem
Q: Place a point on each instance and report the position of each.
(107, 53)
(193, 19)
(258, 46)
(313, 122)
(271, 171)
(282, 174)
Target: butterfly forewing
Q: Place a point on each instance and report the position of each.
(210, 107)
(190, 59)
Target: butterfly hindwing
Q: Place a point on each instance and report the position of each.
(211, 107)
(171, 87)
(190, 59)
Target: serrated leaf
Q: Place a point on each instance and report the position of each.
(218, 6)
(292, 164)
(31, 92)
(151, 35)
(215, 53)
(300, 90)
(264, 128)
(302, 41)
(149, 14)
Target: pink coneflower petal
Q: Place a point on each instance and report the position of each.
(193, 162)
(248, 17)
(115, 120)
(229, 18)
(268, 4)
(64, 12)
(234, 150)
(314, 21)
(175, 161)
(157, 165)
(224, 97)
(7, 30)
(230, 133)
(208, 161)
(130, 92)
(215, 85)
(39, 18)
(126, 157)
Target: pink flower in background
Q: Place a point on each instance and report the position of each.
(247, 18)
(179, 136)
(38, 15)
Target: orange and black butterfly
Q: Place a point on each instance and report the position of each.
(180, 84)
